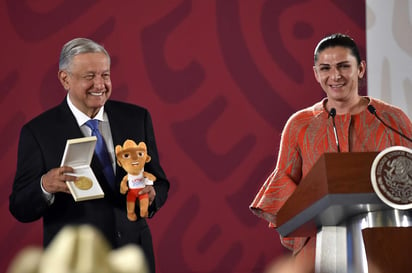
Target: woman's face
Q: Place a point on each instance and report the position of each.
(338, 73)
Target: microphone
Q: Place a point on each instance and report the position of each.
(332, 113)
(372, 110)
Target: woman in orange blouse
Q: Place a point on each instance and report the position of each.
(309, 133)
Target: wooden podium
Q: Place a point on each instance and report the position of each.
(335, 202)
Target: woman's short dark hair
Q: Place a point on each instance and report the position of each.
(337, 39)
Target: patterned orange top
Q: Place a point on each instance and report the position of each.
(308, 134)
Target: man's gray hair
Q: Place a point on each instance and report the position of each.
(78, 46)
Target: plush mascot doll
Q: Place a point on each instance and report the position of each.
(132, 157)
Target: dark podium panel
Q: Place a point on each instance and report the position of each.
(337, 188)
(388, 249)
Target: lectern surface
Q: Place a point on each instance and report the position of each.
(337, 188)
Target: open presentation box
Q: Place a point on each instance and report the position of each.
(78, 155)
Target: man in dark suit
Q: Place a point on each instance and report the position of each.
(40, 189)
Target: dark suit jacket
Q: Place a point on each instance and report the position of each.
(41, 146)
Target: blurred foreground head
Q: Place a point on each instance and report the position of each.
(79, 249)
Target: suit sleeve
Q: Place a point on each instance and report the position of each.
(27, 202)
(161, 184)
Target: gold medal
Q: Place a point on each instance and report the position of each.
(83, 183)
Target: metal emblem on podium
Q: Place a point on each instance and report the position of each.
(391, 176)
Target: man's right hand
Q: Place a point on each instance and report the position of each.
(55, 179)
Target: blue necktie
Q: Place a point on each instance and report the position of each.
(101, 151)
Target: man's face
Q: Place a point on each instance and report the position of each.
(87, 81)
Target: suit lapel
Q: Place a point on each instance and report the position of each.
(116, 128)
